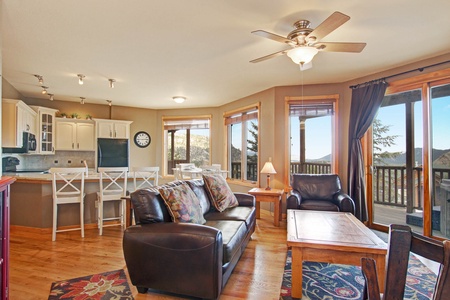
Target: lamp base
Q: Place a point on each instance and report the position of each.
(268, 188)
(268, 183)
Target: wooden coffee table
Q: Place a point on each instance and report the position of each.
(331, 237)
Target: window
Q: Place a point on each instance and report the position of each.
(409, 156)
(312, 132)
(186, 140)
(243, 152)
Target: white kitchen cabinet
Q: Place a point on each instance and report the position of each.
(17, 117)
(45, 129)
(73, 134)
(114, 129)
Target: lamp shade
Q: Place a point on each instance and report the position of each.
(268, 168)
(302, 55)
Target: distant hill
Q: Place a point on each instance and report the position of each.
(441, 158)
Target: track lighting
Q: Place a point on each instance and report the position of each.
(80, 78)
(111, 83)
(109, 102)
(179, 99)
(44, 90)
(40, 78)
(50, 97)
(82, 100)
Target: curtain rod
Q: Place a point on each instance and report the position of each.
(402, 73)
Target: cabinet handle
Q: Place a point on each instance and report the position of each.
(115, 133)
(110, 134)
(78, 145)
(73, 146)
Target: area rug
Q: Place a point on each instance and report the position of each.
(104, 286)
(334, 281)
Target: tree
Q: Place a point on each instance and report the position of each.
(252, 144)
(380, 140)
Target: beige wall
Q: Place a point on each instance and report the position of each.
(272, 119)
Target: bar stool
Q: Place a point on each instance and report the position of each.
(111, 190)
(149, 176)
(66, 191)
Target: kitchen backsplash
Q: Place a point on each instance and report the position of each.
(59, 159)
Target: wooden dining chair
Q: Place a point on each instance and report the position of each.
(67, 190)
(402, 242)
(113, 187)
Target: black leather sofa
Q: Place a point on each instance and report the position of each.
(318, 192)
(185, 258)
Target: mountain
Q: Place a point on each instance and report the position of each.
(441, 158)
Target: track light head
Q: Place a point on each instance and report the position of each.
(109, 102)
(82, 100)
(111, 83)
(44, 89)
(51, 98)
(80, 78)
(40, 78)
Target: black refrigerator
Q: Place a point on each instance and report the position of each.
(112, 152)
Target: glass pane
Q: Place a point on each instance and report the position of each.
(311, 148)
(440, 110)
(236, 150)
(252, 150)
(397, 173)
(199, 146)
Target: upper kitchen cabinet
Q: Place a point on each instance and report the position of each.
(73, 134)
(17, 117)
(45, 129)
(114, 129)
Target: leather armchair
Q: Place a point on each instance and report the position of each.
(318, 192)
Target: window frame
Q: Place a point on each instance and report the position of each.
(165, 145)
(320, 99)
(226, 118)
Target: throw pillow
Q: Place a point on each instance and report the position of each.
(183, 205)
(219, 192)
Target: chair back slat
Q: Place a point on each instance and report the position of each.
(148, 175)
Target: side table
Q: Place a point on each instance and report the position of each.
(273, 195)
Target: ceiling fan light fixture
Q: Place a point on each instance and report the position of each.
(179, 99)
(302, 55)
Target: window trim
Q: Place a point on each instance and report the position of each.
(228, 114)
(334, 98)
(165, 139)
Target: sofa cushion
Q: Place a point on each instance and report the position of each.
(198, 187)
(233, 235)
(183, 205)
(219, 192)
(239, 213)
(149, 207)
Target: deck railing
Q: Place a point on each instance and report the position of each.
(390, 185)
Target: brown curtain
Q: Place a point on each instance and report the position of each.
(366, 99)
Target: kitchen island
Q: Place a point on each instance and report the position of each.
(32, 204)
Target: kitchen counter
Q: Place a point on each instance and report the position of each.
(32, 204)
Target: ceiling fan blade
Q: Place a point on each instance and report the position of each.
(279, 53)
(340, 47)
(272, 36)
(326, 27)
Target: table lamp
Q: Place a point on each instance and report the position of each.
(268, 169)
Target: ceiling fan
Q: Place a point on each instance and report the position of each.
(305, 41)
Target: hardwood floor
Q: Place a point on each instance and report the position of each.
(36, 261)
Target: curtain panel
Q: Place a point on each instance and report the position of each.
(366, 99)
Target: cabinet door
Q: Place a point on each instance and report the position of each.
(65, 136)
(46, 123)
(121, 130)
(105, 129)
(30, 122)
(85, 137)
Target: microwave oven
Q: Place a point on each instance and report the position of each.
(29, 145)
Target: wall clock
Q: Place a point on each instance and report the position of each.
(142, 139)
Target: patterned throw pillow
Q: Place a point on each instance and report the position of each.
(183, 205)
(219, 192)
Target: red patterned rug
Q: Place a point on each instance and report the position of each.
(104, 286)
(333, 281)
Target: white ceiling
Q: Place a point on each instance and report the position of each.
(201, 49)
